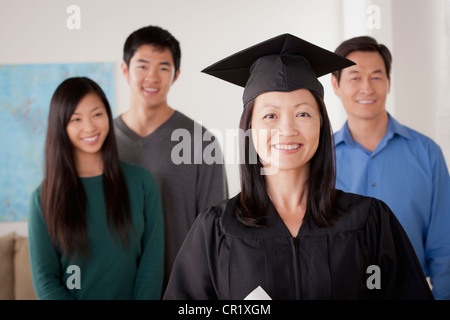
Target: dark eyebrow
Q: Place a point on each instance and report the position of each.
(279, 107)
(164, 63)
(376, 71)
(97, 107)
(304, 104)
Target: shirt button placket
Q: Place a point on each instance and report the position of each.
(371, 175)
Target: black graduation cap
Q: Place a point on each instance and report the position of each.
(283, 63)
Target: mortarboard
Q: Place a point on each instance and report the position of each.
(283, 63)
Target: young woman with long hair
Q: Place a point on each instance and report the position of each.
(95, 222)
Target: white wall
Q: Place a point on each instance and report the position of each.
(208, 30)
(36, 32)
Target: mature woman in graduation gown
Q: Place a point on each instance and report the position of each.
(289, 232)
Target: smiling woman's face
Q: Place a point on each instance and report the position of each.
(88, 126)
(286, 128)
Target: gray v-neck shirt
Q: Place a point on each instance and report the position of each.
(186, 188)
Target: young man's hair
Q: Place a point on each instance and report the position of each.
(63, 198)
(365, 44)
(155, 36)
(254, 201)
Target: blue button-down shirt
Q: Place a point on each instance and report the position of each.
(407, 171)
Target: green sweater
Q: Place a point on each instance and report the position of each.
(111, 271)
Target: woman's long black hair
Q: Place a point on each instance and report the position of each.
(254, 200)
(63, 198)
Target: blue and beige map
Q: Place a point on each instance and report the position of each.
(25, 94)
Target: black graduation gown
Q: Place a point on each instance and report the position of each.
(221, 258)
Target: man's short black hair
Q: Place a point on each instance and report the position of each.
(365, 44)
(155, 36)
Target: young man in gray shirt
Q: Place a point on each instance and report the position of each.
(164, 140)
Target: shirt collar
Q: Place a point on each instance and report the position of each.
(343, 135)
(394, 127)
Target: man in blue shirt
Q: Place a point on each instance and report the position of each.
(377, 156)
